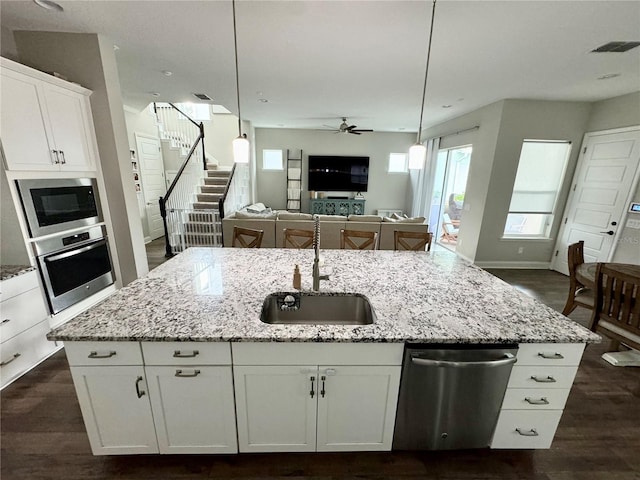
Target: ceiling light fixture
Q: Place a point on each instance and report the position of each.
(167, 73)
(418, 152)
(240, 144)
(49, 5)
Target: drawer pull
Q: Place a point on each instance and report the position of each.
(6, 320)
(180, 373)
(7, 362)
(540, 401)
(139, 392)
(551, 356)
(179, 354)
(548, 379)
(102, 355)
(530, 433)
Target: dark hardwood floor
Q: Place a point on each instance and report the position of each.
(43, 435)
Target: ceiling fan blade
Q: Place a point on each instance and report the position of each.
(355, 132)
(362, 130)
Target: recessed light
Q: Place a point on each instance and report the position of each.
(154, 94)
(49, 5)
(401, 128)
(447, 106)
(263, 100)
(167, 73)
(116, 48)
(608, 76)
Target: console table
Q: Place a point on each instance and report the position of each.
(336, 206)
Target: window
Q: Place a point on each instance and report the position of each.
(397, 163)
(199, 112)
(272, 160)
(541, 170)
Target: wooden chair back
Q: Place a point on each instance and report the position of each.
(294, 238)
(246, 237)
(578, 295)
(415, 241)
(358, 240)
(575, 257)
(617, 310)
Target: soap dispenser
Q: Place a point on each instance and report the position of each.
(297, 283)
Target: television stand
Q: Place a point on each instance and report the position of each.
(338, 198)
(336, 206)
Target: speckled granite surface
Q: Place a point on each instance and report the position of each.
(10, 271)
(216, 295)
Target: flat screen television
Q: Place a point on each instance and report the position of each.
(338, 173)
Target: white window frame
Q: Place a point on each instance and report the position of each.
(265, 153)
(406, 163)
(547, 215)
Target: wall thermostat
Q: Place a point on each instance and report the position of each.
(634, 208)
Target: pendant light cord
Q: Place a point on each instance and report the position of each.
(235, 49)
(426, 71)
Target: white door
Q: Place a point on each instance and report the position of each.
(193, 409)
(601, 187)
(116, 410)
(276, 408)
(152, 176)
(357, 407)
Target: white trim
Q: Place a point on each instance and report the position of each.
(612, 130)
(147, 240)
(513, 265)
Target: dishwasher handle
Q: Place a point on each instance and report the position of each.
(507, 359)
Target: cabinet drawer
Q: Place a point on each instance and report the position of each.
(563, 354)
(535, 398)
(186, 353)
(24, 351)
(541, 377)
(103, 353)
(525, 429)
(19, 284)
(21, 312)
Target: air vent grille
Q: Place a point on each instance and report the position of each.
(616, 47)
(202, 96)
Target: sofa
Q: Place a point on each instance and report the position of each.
(273, 223)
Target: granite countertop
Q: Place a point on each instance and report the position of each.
(10, 271)
(216, 294)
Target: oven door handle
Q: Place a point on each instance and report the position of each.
(72, 252)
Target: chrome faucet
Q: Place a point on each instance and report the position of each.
(316, 260)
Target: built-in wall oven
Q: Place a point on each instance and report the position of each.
(59, 204)
(74, 265)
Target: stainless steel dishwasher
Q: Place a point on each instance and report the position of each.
(450, 395)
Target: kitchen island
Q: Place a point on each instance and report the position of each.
(196, 319)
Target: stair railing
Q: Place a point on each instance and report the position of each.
(180, 194)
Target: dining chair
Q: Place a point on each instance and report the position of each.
(358, 240)
(579, 295)
(617, 307)
(246, 237)
(295, 238)
(415, 241)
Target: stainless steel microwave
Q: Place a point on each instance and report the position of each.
(59, 204)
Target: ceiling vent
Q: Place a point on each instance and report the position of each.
(616, 47)
(203, 96)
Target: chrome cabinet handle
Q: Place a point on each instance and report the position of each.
(54, 157)
(179, 354)
(531, 433)
(551, 356)
(103, 355)
(64, 160)
(322, 392)
(6, 320)
(549, 379)
(180, 373)
(7, 362)
(541, 401)
(139, 392)
(507, 359)
(312, 392)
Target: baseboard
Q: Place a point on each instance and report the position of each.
(147, 240)
(514, 265)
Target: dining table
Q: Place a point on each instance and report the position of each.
(586, 272)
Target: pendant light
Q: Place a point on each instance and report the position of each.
(418, 152)
(240, 144)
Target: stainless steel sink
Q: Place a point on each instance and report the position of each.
(315, 308)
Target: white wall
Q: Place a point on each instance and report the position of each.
(385, 190)
(8, 44)
(13, 250)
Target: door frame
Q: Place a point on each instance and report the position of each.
(629, 196)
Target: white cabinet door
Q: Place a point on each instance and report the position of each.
(276, 408)
(357, 407)
(24, 132)
(67, 114)
(193, 409)
(116, 410)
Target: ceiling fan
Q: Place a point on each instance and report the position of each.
(346, 128)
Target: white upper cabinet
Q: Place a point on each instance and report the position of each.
(45, 126)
